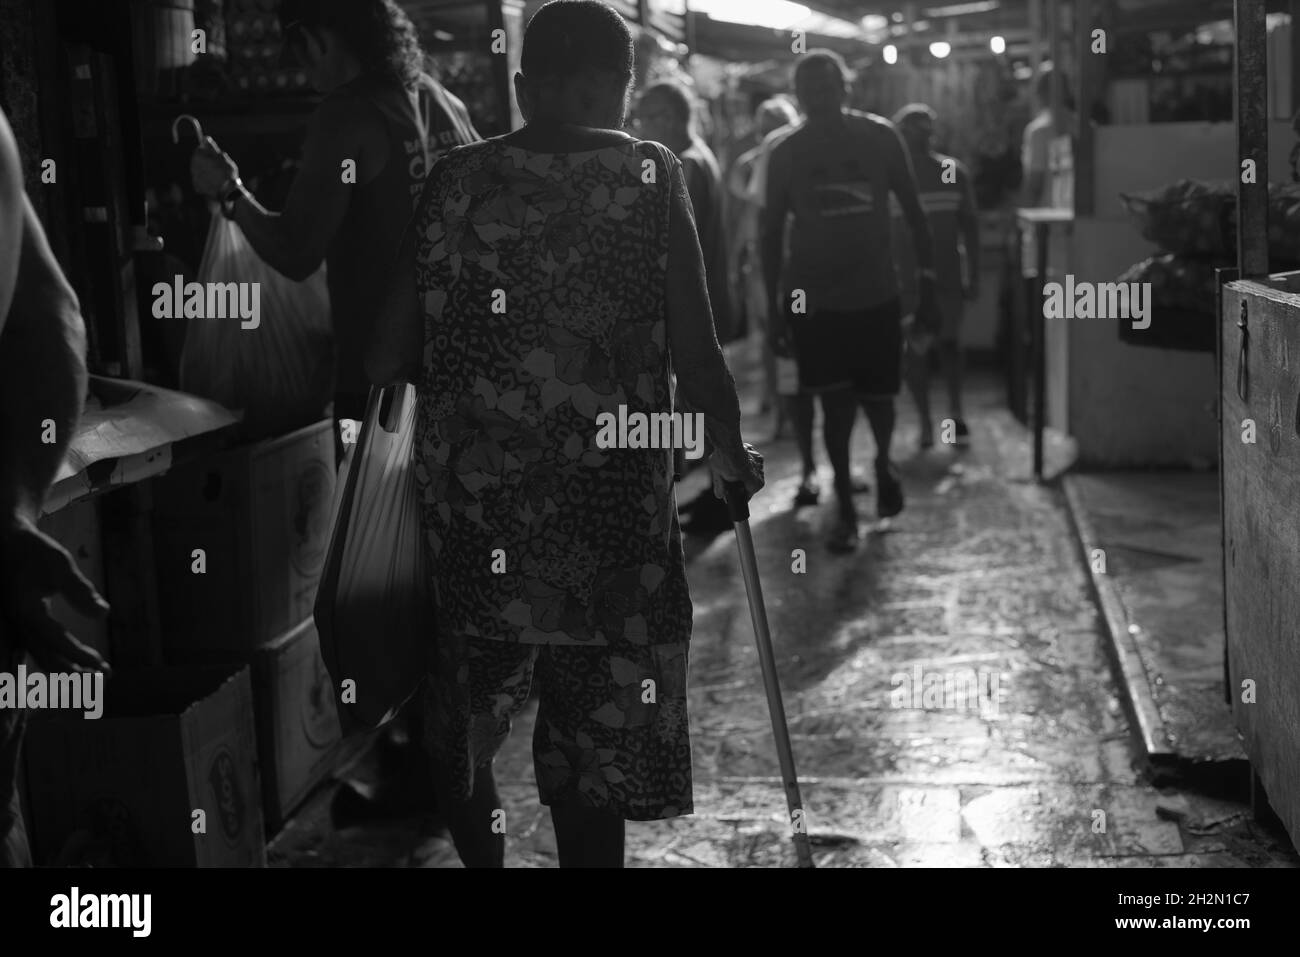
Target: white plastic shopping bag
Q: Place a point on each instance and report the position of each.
(373, 608)
(280, 370)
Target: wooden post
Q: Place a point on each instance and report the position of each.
(1251, 83)
(1036, 35)
(907, 49)
(1223, 275)
(1087, 84)
(1038, 317)
(1294, 7)
(1054, 53)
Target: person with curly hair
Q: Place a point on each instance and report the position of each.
(382, 125)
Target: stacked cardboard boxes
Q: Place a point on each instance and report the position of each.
(240, 543)
(166, 776)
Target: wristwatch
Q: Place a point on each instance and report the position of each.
(229, 195)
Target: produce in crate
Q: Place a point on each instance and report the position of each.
(1183, 295)
(1198, 219)
(1190, 217)
(1176, 282)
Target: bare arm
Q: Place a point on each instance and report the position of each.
(1033, 160)
(776, 207)
(294, 242)
(42, 374)
(968, 217)
(42, 387)
(11, 217)
(397, 349)
(902, 182)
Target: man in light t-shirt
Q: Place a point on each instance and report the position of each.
(1046, 152)
(1047, 158)
(835, 294)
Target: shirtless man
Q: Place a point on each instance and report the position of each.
(42, 376)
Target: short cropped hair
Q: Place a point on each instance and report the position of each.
(907, 113)
(822, 58)
(568, 38)
(378, 32)
(778, 111)
(1043, 87)
(675, 95)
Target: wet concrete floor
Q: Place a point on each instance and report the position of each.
(949, 700)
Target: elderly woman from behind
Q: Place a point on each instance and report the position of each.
(553, 276)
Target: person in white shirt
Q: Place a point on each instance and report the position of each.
(1046, 154)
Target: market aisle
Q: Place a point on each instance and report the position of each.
(977, 583)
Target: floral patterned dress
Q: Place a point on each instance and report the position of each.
(543, 279)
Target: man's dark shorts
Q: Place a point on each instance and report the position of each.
(860, 350)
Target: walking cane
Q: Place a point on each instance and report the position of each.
(738, 506)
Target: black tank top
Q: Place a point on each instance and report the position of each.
(422, 124)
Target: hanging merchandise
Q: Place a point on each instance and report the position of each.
(373, 608)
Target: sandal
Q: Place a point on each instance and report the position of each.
(809, 493)
(844, 537)
(889, 501)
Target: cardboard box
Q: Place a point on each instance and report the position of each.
(298, 729)
(261, 516)
(77, 528)
(121, 790)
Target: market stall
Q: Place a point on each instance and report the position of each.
(1095, 375)
(1259, 438)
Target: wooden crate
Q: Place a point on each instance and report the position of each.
(1261, 486)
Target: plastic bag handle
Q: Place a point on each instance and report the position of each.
(193, 121)
(204, 139)
(392, 399)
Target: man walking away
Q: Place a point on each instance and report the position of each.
(664, 114)
(837, 305)
(949, 204)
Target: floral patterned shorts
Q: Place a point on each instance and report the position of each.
(611, 728)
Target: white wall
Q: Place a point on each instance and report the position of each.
(1131, 405)
(1128, 405)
